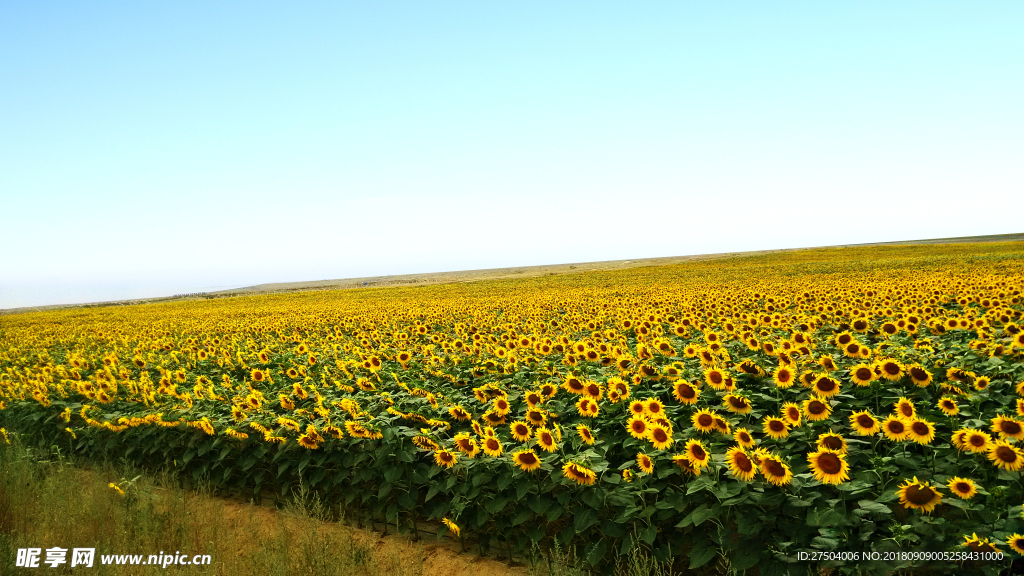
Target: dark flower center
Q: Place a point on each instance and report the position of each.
(830, 463)
(920, 495)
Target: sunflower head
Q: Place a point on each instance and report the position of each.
(644, 462)
(703, 420)
(832, 441)
(775, 427)
(828, 467)
(964, 488)
(774, 469)
(526, 460)
(740, 464)
(915, 494)
(697, 453)
(743, 438)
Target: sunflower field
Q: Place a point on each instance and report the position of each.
(737, 411)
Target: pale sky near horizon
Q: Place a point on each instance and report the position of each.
(149, 149)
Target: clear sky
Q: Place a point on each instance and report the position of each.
(150, 149)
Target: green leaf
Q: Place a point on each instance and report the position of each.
(873, 507)
(496, 505)
(521, 516)
(554, 513)
(539, 503)
(702, 483)
(823, 543)
(702, 513)
(596, 551)
(584, 519)
(392, 474)
(701, 555)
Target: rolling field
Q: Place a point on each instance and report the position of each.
(725, 412)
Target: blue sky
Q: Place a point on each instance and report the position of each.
(151, 149)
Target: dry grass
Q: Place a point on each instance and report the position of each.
(45, 501)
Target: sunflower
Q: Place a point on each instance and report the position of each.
(422, 442)
(864, 424)
(920, 430)
(492, 447)
(526, 460)
(982, 382)
(533, 398)
(783, 377)
(703, 420)
(1007, 428)
(919, 375)
(1006, 456)
(660, 436)
(736, 403)
(862, 374)
(1016, 543)
(891, 369)
(816, 409)
(285, 402)
(722, 426)
(493, 418)
(743, 438)
(585, 433)
(580, 474)
(852, 350)
(258, 375)
(965, 488)
(792, 414)
(698, 454)
(627, 475)
(638, 427)
(750, 367)
(919, 495)
(832, 441)
(574, 385)
(683, 462)
(644, 462)
(501, 406)
(545, 439)
(828, 467)
(715, 378)
(977, 544)
(775, 427)
(452, 526)
(459, 413)
(740, 465)
(637, 408)
(825, 386)
(307, 442)
(685, 392)
(972, 440)
(654, 408)
(587, 407)
(466, 444)
(948, 406)
(895, 429)
(520, 431)
(445, 458)
(904, 408)
(775, 470)
(536, 416)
